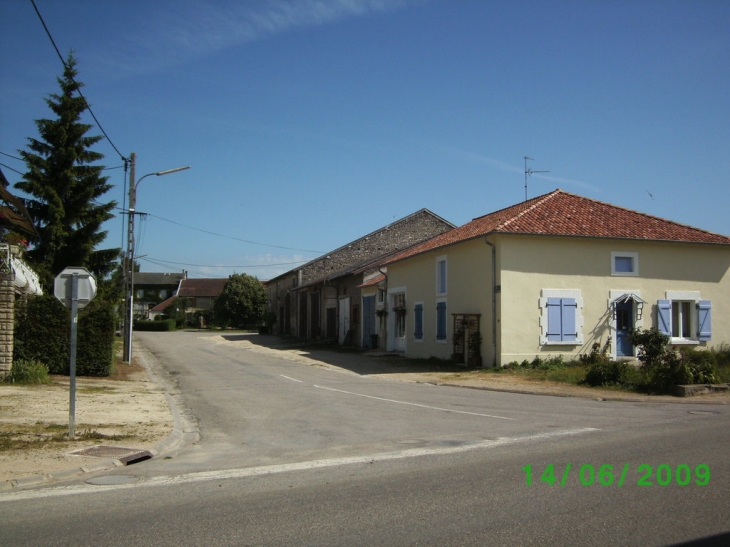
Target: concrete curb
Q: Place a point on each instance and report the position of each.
(184, 432)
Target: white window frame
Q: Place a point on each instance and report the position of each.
(693, 297)
(442, 276)
(545, 294)
(634, 263)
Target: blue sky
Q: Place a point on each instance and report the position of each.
(309, 123)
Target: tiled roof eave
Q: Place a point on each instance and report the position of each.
(607, 237)
(547, 234)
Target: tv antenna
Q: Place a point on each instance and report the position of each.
(529, 172)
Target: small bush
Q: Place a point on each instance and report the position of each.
(28, 371)
(165, 325)
(686, 366)
(722, 355)
(607, 373)
(665, 368)
(597, 354)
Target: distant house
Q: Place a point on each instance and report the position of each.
(152, 288)
(201, 292)
(198, 294)
(320, 300)
(552, 276)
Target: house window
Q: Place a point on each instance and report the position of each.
(685, 317)
(418, 321)
(140, 293)
(441, 321)
(441, 275)
(626, 264)
(561, 318)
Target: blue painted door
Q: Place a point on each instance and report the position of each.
(624, 324)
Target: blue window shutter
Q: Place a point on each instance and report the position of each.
(705, 320)
(568, 309)
(664, 316)
(419, 321)
(555, 321)
(441, 321)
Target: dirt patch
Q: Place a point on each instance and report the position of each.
(126, 409)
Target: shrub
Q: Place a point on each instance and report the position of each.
(95, 352)
(28, 372)
(607, 373)
(597, 354)
(43, 333)
(165, 325)
(652, 346)
(686, 366)
(666, 368)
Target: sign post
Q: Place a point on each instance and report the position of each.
(75, 288)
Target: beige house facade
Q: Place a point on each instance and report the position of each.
(552, 276)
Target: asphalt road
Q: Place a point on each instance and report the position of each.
(291, 454)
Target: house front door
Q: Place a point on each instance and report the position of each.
(624, 325)
(344, 324)
(399, 321)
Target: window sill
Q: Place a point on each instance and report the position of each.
(684, 342)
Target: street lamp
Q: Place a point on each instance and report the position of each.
(129, 266)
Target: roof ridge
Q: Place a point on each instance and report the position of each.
(540, 200)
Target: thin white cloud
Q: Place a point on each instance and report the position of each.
(172, 32)
(511, 168)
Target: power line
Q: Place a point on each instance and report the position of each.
(11, 156)
(235, 238)
(143, 214)
(157, 260)
(10, 168)
(88, 107)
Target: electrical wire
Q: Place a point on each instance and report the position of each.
(88, 107)
(158, 260)
(10, 168)
(235, 238)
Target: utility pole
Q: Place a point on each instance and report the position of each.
(529, 172)
(129, 265)
(129, 268)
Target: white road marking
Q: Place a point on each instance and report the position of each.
(415, 404)
(292, 379)
(228, 474)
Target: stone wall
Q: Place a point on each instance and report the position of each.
(7, 318)
(399, 235)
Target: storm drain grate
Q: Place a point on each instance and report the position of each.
(125, 455)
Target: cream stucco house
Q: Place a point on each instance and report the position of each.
(554, 275)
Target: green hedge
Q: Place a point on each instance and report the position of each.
(43, 333)
(159, 326)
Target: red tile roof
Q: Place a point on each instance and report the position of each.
(562, 214)
(374, 281)
(162, 305)
(201, 287)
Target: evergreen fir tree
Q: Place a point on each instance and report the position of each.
(65, 187)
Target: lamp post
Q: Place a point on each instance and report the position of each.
(129, 258)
